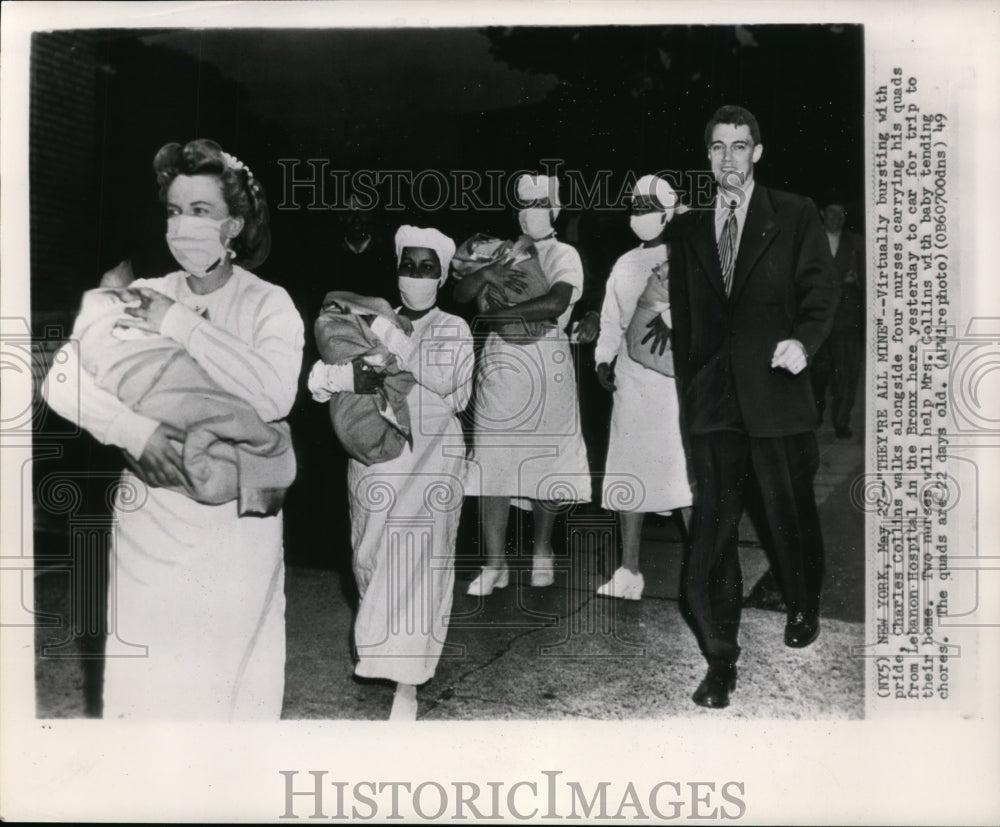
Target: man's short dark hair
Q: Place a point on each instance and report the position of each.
(735, 116)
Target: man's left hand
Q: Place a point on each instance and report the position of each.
(789, 354)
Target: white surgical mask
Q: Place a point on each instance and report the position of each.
(535, 222)
(418, 294)
(648, 225)
(196, 242)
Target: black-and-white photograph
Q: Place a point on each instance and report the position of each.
(447, 372)
(510, 374)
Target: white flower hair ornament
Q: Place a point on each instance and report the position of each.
(235, 163)
(252, 187)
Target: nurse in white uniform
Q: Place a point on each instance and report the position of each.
(405, 512)
(646, 469)
(196, 590)
(527, 438)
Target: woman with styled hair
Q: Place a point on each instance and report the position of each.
(196, 626)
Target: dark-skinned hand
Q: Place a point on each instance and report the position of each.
(508, 279)
(658, 336)
(367, 378)
(606, 377)
(588, 328)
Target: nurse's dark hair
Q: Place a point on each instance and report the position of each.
(734, 116)
(243, 193)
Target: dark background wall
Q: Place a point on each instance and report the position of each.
(611, 97)
(63, 172)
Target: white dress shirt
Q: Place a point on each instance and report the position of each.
(834, 239)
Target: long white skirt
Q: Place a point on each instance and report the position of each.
(646, 468)
(404, 523)
(196, 610)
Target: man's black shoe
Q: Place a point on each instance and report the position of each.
(714, 690)
(801, 630)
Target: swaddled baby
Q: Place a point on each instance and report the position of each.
(229, 452)
(483, 252)
(371, 427)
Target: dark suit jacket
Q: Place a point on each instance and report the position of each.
(850, 257)
(784, 287)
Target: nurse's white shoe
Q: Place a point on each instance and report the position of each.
(541, 571)
(489, 578)
(623, 584)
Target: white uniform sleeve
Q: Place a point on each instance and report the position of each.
(74, 394)
(398, 343)
(568, 268)
(264, 372)
(665, 313)
(609, 340)
(442, 360)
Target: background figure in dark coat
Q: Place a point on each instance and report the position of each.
(742, 341)
(362, 258)
(838, 363)
(585, 322)
(359, 257)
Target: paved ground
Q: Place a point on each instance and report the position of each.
(562, 652)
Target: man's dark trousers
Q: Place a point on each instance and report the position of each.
(725, 462)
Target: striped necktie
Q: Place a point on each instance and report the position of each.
(727, 248)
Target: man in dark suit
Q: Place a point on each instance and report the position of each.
(838, 363)
(753, 293)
